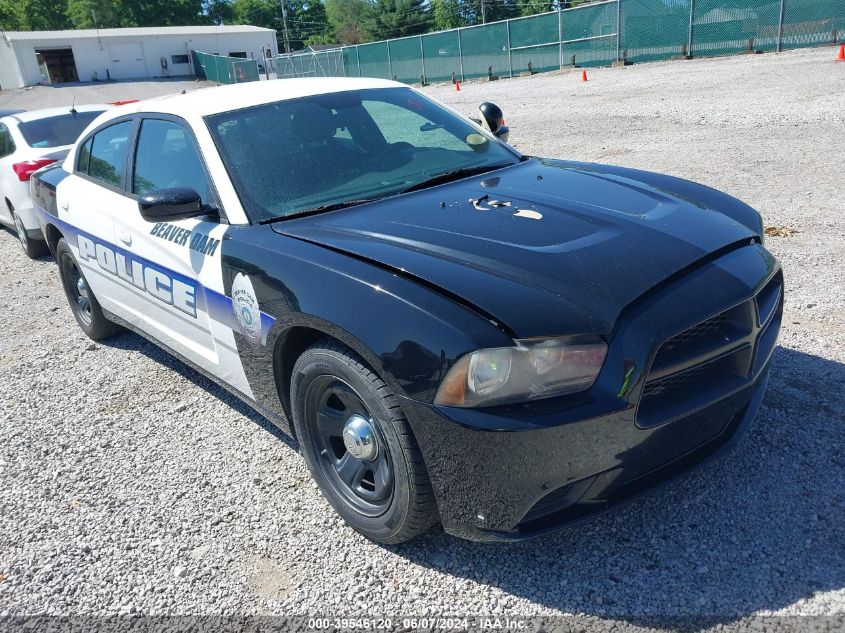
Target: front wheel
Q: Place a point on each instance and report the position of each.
(359, 446)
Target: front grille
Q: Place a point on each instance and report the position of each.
(712, 358)
(695, 333)
(683, 380)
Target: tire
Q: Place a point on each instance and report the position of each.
(84, 305)
(32, 248)
(388, 498)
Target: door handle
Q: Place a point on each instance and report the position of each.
(124, 236)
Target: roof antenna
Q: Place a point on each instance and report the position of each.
(73, 106)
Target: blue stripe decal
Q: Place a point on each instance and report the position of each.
(218, 306)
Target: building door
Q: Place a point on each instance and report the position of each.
(58, 63)
(128, 60)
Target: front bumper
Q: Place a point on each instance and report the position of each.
(509, 473)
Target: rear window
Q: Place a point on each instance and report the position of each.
(56, 131)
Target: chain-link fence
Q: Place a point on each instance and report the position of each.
(593, 34)
(224, 70)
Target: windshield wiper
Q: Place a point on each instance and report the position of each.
(452, 175)
(334, 206)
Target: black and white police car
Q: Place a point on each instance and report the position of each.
(456, 331)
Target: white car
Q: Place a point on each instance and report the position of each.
(29, 141)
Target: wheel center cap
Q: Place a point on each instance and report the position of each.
(82, 288)
(359, 438)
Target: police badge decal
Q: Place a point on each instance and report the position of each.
(247, 312)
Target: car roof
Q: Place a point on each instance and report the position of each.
(236, 96)
(33, 115)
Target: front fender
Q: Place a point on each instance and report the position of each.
(408, 333)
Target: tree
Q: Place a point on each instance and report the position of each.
(388, 19)
(84, 14)
(305, 18)
(500, 9)
(219, 11)
(450, 14)
(165, 12)
(108, 14)
(33, 15)
(347, 20)
(533, 7)
(11, 15)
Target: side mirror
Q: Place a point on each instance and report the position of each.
(494, 120)
(171, 204)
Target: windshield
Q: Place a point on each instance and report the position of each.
(293, 156)
(56, 131)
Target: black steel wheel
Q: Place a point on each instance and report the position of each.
(358, 445)
(84, 305)
(352, 455)
(80, 295)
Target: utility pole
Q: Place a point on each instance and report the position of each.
(285, 25)
(97, 27)
(483, 12)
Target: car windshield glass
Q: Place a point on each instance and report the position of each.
(56, 131)
(294, 156)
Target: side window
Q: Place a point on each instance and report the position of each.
(165, 158)
(84, 157)
(108, 153)
(7, 145)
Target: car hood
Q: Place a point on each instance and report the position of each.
(543, 247)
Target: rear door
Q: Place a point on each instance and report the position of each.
(86, 201)
(185, 304)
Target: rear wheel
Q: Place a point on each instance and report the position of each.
(82, 301)
(359, 446)
(33, 248)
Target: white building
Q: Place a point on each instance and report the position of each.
(32, 57)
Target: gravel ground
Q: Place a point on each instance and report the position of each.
(132, 485)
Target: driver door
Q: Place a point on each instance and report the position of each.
(181, 259)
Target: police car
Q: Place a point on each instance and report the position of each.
(453, 331)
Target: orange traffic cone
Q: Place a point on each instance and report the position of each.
(457, 86)
(584, 75)
(841, 56)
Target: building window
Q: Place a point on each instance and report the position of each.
(179, 59)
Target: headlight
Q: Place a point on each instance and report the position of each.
(533, 369)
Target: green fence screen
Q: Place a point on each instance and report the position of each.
(485, 47)
(224, 70)
(593, 34)
(442, 56)
(653, 31)
(535, 41)
(373, 60)
(589, 34)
